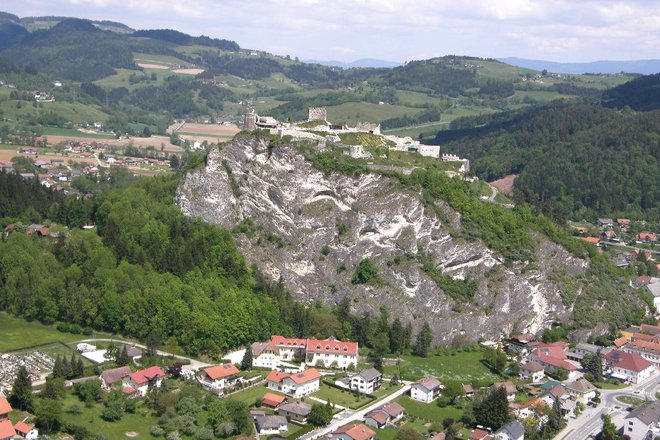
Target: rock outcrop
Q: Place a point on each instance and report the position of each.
(312, 230)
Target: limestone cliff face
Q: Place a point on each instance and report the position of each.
(313, 230)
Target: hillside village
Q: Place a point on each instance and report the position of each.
(301, 388)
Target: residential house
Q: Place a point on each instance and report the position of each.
(367, 381)
(609, 235)
(581, 390)
(38, 229)
(629, 367)
(426, 389)
(553, 357)
(468, 390)
(510, 389)
(297, 411)
(5, 408)
(522, 344)
(535, 408)
(532, 371)
(273, 400)
(294, 384)
(605, 222)
(269, 425)
(645, 280)
(582, 229)
(390, 413)
(7, 431)
(26, 431)
(219, 376)
(134, 353)
(479, 434)
(577, 353)
(140, 381)
(115, 375)
(654, 290)
(514, 430)
(646, 237)
(353, 431)
(624, 223)
(643, 422)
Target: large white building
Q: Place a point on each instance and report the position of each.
(294, 384)
(426, 389)
(629, 367)
(324, 353)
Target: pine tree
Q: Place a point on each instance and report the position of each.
(122, 358)
(72, 367)
(378, 363)
(397, 336)
(407, 336)
(66, 368)
(58, 370)
(424, 339)
(246, 363)
(21, 392)
(80, 368)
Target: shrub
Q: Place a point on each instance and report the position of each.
(365, 272)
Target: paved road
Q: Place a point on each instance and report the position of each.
(590, 422)
(194, 363)
(350, 415)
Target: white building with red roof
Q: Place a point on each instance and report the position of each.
(218, 376)
(426, 389)
(27, 431)
(7, 431)
(140, 381)
(629, 367)
(353, 431)
(318, 352)
(294, 384)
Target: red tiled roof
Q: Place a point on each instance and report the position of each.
(23, 427)
(298, 378)
(128, 390)
(553, 354)
(273, 400)
(430, 383)
(591, 240)
(649, 329)
(508, 386)
(478, 434)
(356, 431)
(379, 416)
(331, 346)
(7, 429)
(220, 371)
(620, 342)
(5, 407)
(628, 361)
(144, 376)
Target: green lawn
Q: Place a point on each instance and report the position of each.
(18, 333)
(340, 397)
(463, 366)
(386, 389)
(428, 411)
(140, 422)
(352, 112)
(630, 400)
(610, 386)
(248, 396)
(389, 432)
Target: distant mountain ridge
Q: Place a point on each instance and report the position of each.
(362, 62)
(645, 67)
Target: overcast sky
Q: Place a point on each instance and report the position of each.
(395, 30)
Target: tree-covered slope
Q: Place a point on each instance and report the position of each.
(582, 160)
(642, 94)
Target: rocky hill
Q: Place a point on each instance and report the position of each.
(311, 231)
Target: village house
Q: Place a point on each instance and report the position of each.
(510, 389)
(297, 411)
(480, 434)
(513, 430)
(643, 422)
(581, 390)
(140, 381)
(468, 390)
(219, 376)
(605, 222)
(5, 408)
(133, 352)
(7, 431)
(38, 229)
(535, 408)
(522, 344)
(553, 357)
(591, 240)
(26, 431)
(353, 431)
(646, 237)
(654, 290)
(367, 381)
(608, 235)
(294, 384)
(628, 367)
(648, 349)
(532, 371)
(115, 375)
(390, 413)
(425, 390)
(270, 425)
(577, 353)
(331, 353)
